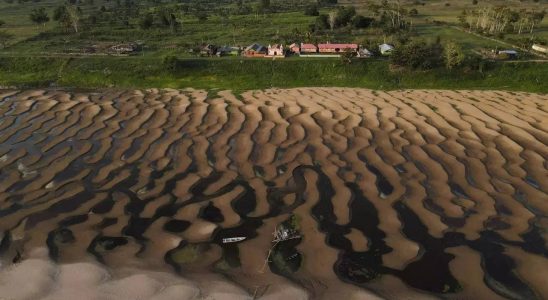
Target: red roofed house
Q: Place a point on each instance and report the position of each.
(308, 48)
(337, 48)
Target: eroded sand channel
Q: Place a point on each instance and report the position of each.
(415, 193)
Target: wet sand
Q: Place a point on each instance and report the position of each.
(414, 193)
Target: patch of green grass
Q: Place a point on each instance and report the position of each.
(186, 255)
(33, 72)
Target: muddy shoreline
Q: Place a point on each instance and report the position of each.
(392, 192)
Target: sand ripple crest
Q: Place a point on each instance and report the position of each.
(403, 193)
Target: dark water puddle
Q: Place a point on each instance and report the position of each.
(361, 267)
(245, 203)
(457, 190)
(57, 238)
(176, 226)
(433, 263)
(532, 182)
(104, 206)
(199, 187)
(73, 220)
(63, 206)
(496, 223)
(284, 258)
(453, 222)
(101, 244)
(400, 168)
(136, 227)
(499, 267)
(211, 213)
(231, 255)
(384, 186)
(432, 266)
(106, 222)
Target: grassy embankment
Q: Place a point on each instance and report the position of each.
(245, 74)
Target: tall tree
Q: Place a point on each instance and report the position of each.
(68, 16)
(332, 19)
(39, 16)
(75, 13)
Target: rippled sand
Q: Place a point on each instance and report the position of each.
(403, 194)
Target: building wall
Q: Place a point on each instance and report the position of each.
(254, 54)
(275, 52)
(308, 50)
(334, 50)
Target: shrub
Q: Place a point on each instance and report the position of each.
(503, 56)
(312, 10)
(171, 63)
(453, 55)
(146, 21)
(418, 55)
(345, 15)
(475, 63)
(322, 22)
(361, 21)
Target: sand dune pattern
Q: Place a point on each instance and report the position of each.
(425, 193)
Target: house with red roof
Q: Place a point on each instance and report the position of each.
(337, 48)
(308, 48)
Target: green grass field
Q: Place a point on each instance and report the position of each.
(246, 74)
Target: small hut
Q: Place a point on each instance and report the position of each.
(276, 51)
(364, 53)
(386, 49)
(540, 48)
(308, 48)
(295, 48)
(228, 51)
(126, 49)
(337, 48)
(208, 50)
(255, 50)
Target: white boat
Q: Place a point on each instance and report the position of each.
(233, 239)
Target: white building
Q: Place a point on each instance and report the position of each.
(276, 50)
(386, 49)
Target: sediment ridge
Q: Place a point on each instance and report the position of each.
(415, 193)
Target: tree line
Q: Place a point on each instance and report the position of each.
(501, 19)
